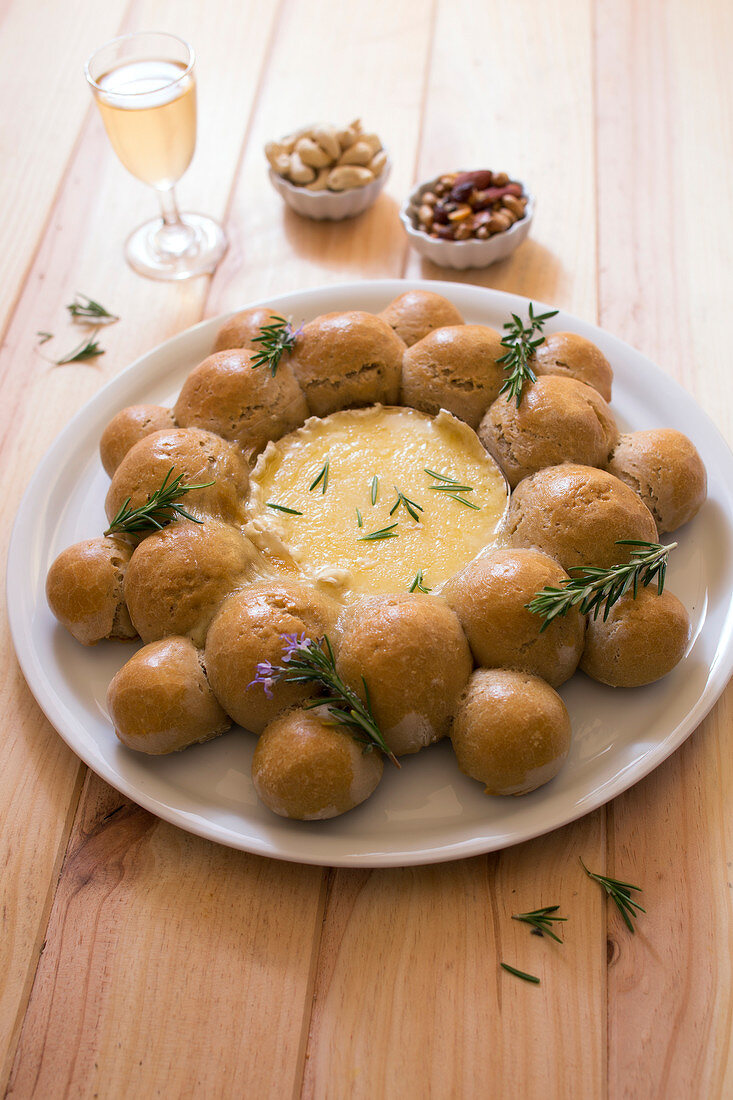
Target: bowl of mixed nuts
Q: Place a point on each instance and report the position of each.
(328, 172)
(468, 219)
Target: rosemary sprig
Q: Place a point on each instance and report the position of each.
(382, 533)
(276, 339)
(309, 661)
(541, 921)
(375, 489)
(594, 588)
(87, 349)
(520, 973)
(282, 508)
(418, 585)
(619, 892)
(452, 488)
(410, 506)
(521, 345)
(158, 511)
(86, 309)
(359, 520)
(43, 337)
(321, 478)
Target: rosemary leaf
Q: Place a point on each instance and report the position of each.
(86, 309)
(375, 489)
(44, 336)
(520, 973)
(619, 892)
(418, 585)
(541, 920)
(88, 349)
(276, 339)
(321, 478)
(382, 533)
(359, 520)
(466, 503)
(410, 506)
(442, 477)
(282, 508)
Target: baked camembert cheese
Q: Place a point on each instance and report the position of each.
(366, 500)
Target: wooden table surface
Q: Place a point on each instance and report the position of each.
(137, 960)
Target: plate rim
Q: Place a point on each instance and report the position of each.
(54, 709)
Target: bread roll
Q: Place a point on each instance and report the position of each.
(249, 405)
(200, 457)
(160, 701)
(84, 589)
(558, 420)
(572, 355)
(344, 360)
(490, 597)
(415, 313)
(415, 659)
(127, 428)
(177, 577)
(306, 768)
(641, 640)
(576, 514)
(663, 466)
(248, 629)
(239, 331)
(454, 368)
(511, 732)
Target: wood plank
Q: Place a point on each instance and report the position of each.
(46, 101)
(82, 251)
(431, 1013)
(664, 105)
(158, 974)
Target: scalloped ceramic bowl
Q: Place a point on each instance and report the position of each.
(463, 254)
(330, 206)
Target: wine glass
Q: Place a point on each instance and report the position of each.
(145, 89)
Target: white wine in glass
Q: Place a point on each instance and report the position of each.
(145, 89)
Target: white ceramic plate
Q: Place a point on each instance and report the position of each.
(428, 811)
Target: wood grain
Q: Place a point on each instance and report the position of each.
(670, 1027)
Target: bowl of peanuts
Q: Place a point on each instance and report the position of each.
(328, 172)
(468, 219)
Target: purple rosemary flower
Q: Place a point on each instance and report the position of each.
(267, 675)
(294, 644)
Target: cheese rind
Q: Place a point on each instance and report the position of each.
(325, 543)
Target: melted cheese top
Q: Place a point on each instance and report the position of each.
(326, 544)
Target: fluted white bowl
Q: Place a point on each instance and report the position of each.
(330, 206)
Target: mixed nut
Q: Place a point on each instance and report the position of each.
(324, 157)
(462, 205)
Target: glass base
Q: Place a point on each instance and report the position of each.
(161, 253)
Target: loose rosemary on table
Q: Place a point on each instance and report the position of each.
(86, 309)
(594, 588)
(418, 585)
(520, 973)
(541, 921)
(159, 510)
(276, 339)
(521, 343)
(410, 506)
(619, 892)
(309, 661)
(88, 349)
(321, 478)
(43, 337)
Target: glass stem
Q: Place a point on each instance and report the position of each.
(174, 237)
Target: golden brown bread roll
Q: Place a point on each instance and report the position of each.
(248, 629)
(574, 356)
(160, 701)
(84, 589)
(454, 368)
(663, 466)
(127, 427)
(177, 577)
(558, 420)
(641, 640)
(200, 457)
(415, 313)
(344, 360)
(246, 404)
(490, 597)
(576, 514)
(240, 330)
(306, 768)
(511, 732)
(415, 659)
